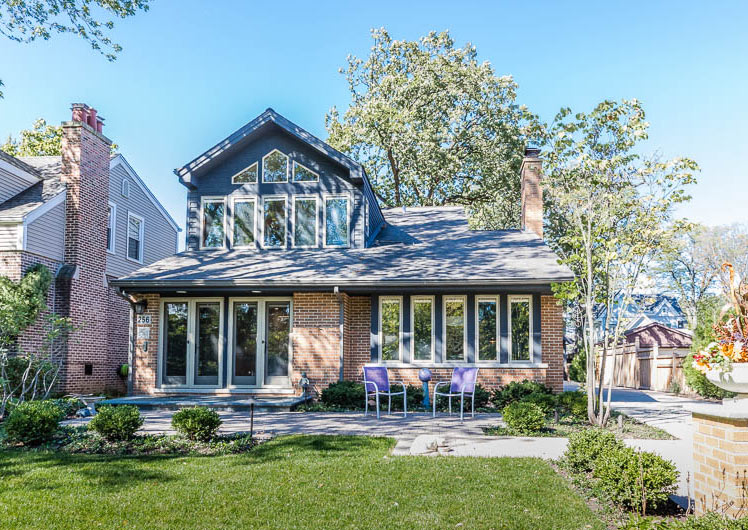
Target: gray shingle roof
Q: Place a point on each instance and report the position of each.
(13, 161)
(48, 169)
(420, 246)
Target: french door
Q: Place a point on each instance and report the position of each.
(191, 342)
(259, 342)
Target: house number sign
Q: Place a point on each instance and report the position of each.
(144, 319)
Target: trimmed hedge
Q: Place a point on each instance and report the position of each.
(117, 423)
(574, 403)
(585, 447)
(197, 423)
(515, 391)
(523, 417)
(33, 422)
(344, 394)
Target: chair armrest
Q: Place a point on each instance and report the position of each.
(401, 383)
(376, 388)
(436, 386)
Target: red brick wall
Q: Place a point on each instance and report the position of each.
(85, 172)
(552, 341)
(316, 338)
(358, 336)
(118, 338)
(145, 363)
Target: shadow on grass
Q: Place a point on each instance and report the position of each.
(112, 472)
(317, 446)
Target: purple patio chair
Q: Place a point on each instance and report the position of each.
(376, 383)
(462, 384)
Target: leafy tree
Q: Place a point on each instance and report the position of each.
(21, 302)
(727, 244)
(609, 211)
(688, 269)
(41, 140)
(29, 20)
(433, 126)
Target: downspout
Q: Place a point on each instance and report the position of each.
(341, 319)
(131, 339)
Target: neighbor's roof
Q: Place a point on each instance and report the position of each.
(420, 246)
(47, 168)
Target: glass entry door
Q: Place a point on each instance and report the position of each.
(259, 342)
(191, 344)
(278, 333)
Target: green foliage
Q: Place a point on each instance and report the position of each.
(22, 301)
(574, 403)
(514, 391)
(698, 382)
(578, 367)
(433, 126)
(33, 422)
(707, 314)
(117, 423)
(524, 418)
(41, 140)
(636, 480)
(69, 406)
(709, 521)
(344, 394)
(585, 448)
(197, 423)
(546, 402)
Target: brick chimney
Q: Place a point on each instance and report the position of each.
(531, 191)
(85, 173)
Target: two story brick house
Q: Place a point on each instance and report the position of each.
(89, 218)
(292, 267)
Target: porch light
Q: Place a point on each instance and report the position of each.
(141, 306)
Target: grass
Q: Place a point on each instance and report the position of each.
(288, 482)
(567, 425)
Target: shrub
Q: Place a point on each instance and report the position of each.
(574, 403)
(578, 367)
(33, 422)
(524, 418)
(117, 423)
(546, 402)
(699, 383)
(636, 480)
(69, 406)
(196, 423)
(709, 521)
(585, 448)
(515, 391)
(344, 394)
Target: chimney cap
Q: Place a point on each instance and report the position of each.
(532, 151)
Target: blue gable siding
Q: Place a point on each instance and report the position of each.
(333, 179)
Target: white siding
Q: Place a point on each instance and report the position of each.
(11, 185)
(46, 234)
(9, 237)
(160, 238)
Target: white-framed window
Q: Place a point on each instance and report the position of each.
(275, 167)
(125, 190)
(212, 222)
(247, 175)
(487, 328)
(301, 173)
(243, 219)
(305, 221)
(337, 220)
(455, 328)
(520, 328)
(274, 225)
(135, 237)
(111, 227)
(422, 322)
(390, 328)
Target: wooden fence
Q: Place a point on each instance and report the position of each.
(649, 367)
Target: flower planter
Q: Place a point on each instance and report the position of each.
(734, 380)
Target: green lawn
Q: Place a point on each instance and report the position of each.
(289, 482)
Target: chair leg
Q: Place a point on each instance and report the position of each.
(472, 407)
(450, 404)
(389, 405)
(433, 402)
(366, 404)
(405, 402)
(377, 400)
(462, 405)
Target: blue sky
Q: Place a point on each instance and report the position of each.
(192, 72)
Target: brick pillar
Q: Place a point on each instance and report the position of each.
(552, 340)
(720, 456)
(145, 357)
(531, 192)
(85, 173)
(357, 336)
(316, 339)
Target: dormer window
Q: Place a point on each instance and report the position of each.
(274, 222)
(212, 222)
(336, 221)
(275, 167)
(302, 173)
(247, 175)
